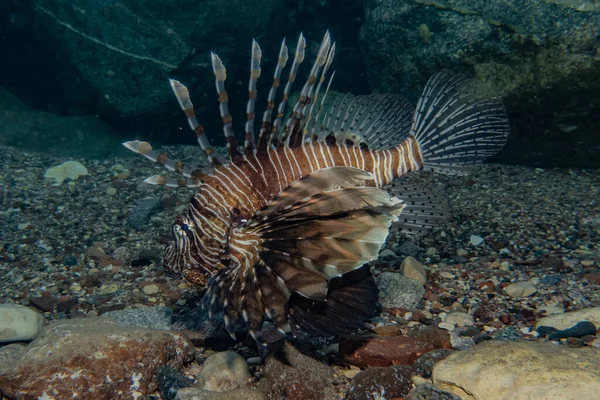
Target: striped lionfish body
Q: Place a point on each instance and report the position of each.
(283, 229)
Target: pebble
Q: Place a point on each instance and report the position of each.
(394, 381)
(397, 291)
(108, 289)
(520, 289)
(446, 326)
(68, 170)
(462, 252)
(447, 275)
(408, 249)
(459, 319)
(587, 263)
(223, 371)
(111, 191)
(150, 289)
(475, 240)
(432, 251)
(413, 269)
(18, 323)
(254, 361)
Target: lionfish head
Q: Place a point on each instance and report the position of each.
(193, 255)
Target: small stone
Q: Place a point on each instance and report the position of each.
(476, 240)
(19, 323)
(580, 329)
(432, 251)
(424, 365)
(241, 393)
(413, 269)
(462, 252)
(387, 253)
(568, 319)
(447, 275)
(394, 381)
(587, 263)
(388, 330)
(520, 289)
(446, 326)
(24, 225)
(254, 361)
(397, 291)
(223, 371)
(95, 251)
(68, 170)
(111, 191)
(459, 319)
(151, 289)
(109, 288)
(45, 303)
(408, 249)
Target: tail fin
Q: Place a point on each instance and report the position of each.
(352, 300)
(458, 124)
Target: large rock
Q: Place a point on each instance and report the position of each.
(498, 370)
(94, 357)
(113, 58)
(568, 319)
(19, 323)
(73, 136)
(542, 55)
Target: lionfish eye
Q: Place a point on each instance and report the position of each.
(185, 227)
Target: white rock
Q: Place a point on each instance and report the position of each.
(500, 370)
(520, 289)
(446, 326)
(568, 319)
(413, 269)
(223, 371)
(18, 323)
(151, 289)
(447, 275)
(459, 319)
(475, 240)
(69, 169)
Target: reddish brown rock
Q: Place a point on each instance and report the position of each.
(95, 358)
(366, 351)
(593, 279)
(291, 375)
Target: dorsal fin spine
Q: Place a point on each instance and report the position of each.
(267, 116)
(252, 93)
(183, 98)
(220, 76)
(298, 58)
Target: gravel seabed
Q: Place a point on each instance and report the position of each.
(73, 243)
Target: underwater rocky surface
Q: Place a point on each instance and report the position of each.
(519, 252)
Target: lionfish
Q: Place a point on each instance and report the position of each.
(283, 229)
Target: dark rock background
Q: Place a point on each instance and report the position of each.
(110, 60)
